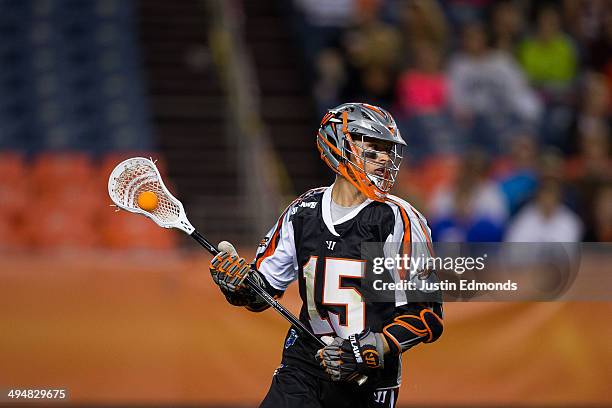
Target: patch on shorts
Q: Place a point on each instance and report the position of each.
(291, 338)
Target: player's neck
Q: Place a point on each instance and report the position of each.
(345, 194)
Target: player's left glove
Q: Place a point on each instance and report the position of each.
(229, 271)
(344, 360)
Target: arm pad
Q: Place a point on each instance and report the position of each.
(416, 323)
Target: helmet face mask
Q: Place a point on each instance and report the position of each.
(379, 161)
(361, 142)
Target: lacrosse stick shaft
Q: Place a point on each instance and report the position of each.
(261, 292)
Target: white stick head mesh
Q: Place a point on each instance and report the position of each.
(136, 175)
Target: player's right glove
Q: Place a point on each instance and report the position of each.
(345, 360)
(229, 271)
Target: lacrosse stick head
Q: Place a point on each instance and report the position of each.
(137, 175)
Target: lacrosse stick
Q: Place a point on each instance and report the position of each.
(137, 175)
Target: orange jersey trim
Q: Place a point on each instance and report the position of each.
(407, 239)
(426, 234)
(273, 239)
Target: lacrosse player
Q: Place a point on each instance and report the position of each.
(317, 241)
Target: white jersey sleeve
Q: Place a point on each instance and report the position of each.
(276, 256)
(411, 236)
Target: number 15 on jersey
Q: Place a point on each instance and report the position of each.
(334, 294)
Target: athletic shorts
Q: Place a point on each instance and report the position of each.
(293, 388)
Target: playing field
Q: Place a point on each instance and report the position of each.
(112, 329)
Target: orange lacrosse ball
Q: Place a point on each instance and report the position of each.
(147, 200)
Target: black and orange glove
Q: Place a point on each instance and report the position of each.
(229, 271)
(345, 360)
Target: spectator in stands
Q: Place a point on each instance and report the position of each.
(546, 219)
(372, 42)
(585, 19)
(330, 79)
(592, 112)
(548, 56)
(461, 12)
(602, 225)
(487, 86)
(589, 171)
(423, 21)
(550, 61)
(600, 49)
(321, 23)
(506, 26)
(600, 53)
(423, 88)
(373, 53)
(518, 176)
(551, 166)
(595, 107)
(376, 86)
(593, 159)
(472, 210)
(422, 94)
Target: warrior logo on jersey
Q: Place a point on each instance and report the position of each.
(311, 204)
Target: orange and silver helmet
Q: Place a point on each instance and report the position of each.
(341, 137)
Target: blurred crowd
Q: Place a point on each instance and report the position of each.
(505, 106)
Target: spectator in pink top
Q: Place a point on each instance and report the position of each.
(423, 89)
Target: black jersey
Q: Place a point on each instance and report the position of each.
(326, 259)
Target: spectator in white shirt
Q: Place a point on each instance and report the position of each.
(488, 82)
(546, 219)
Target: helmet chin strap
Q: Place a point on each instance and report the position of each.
(355, 172)
(362, 183)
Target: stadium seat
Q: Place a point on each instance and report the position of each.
(71, 77)
(52, 171)
(125, 231)
(66, 182)
(12, 167)
(59, 229)
(13, 184)
(13, 198)
(12, 236)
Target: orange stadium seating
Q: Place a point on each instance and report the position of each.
(122, 230)
(60, 201)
